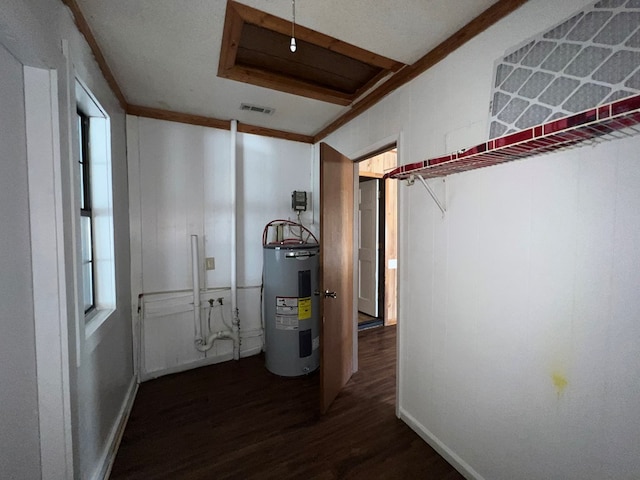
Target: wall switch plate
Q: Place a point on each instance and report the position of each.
(210, 263)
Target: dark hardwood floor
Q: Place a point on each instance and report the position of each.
(238, 421)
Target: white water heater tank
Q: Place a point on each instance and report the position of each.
(291, 310)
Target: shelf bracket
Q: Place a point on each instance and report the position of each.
(440, 204)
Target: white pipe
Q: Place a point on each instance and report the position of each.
(234, 248)
(203, 346)
(195, 273)
(205, 342)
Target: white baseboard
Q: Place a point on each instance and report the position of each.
(203, 362)
(251, 351)
(449, 455)
(144, 376)
(115, 436)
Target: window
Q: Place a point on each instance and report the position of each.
(94, 227)
(86, 216)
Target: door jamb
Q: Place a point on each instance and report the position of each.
(53, 362)
(357, 156)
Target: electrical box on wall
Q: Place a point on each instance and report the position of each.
(299, 201)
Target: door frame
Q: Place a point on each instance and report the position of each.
(379, 256)
(387, 235)
(315, 182)
(46, 165)
(387, 238)
(357, 155)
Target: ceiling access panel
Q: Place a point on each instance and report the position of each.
(255, 50)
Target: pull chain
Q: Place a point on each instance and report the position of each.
(292, 46)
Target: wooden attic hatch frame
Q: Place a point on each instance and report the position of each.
(255, 50)
(614, 120)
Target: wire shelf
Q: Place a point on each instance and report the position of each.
(607, 122)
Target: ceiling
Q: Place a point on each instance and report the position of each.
(164, 54)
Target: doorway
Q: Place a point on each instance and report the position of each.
(377, 240)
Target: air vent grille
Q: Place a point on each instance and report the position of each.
(592, 58)
(257, 109)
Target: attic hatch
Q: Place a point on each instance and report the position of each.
(255, 50)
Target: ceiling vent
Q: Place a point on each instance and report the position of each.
(257, 109)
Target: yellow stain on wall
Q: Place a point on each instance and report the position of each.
(559, 381)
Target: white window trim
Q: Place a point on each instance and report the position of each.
(102, 209)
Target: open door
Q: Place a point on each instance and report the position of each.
(336, 273)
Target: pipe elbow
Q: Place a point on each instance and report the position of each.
(203, 345)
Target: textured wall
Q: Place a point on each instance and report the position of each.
(100, 371)
(180, 180)
(518, 317)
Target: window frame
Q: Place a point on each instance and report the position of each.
(84, 162)
(101, 197)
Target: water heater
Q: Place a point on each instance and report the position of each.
(291, 310)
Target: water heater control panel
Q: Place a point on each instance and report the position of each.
(299, 201)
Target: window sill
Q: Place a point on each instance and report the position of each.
(95, 327)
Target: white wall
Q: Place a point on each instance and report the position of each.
(19, 443)
(180, 186)
(98, 378)
(519, 333)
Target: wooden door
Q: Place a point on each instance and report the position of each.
(336, 273)
(368, 241)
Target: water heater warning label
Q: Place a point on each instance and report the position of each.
(287, 313)
(287, 306)
(286, 322)
(304, 308)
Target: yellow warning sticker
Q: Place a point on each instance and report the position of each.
(304, 308)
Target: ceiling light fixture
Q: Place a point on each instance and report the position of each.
(292, 46)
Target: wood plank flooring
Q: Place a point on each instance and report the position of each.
(238, 421)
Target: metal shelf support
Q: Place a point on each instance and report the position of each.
(440, 204)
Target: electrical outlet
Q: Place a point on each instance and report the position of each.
(210, 263)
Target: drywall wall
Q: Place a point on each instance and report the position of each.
(105, 376)
(180, 186)
(19, 441)
(525, 329)
(518, 316)
(97, 380)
